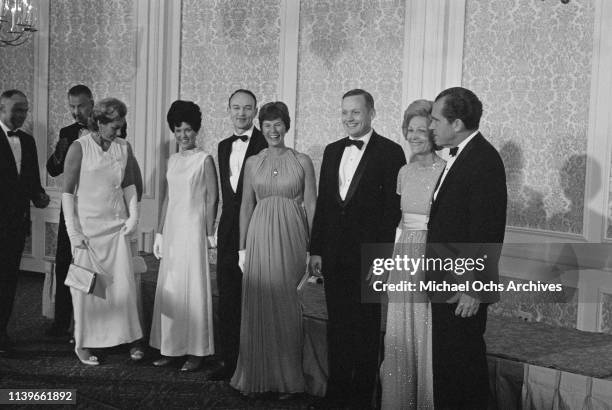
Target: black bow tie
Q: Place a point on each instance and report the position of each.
(12, 134)
(453, 151)
(243, 138)
(358, 143)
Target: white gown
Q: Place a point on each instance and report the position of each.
(182, 315)
(109, 316)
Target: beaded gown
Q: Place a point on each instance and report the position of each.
(182, 314)
(271, 338)
(406, 371)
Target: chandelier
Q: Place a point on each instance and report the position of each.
(17, 22)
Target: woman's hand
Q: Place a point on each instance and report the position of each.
(158, 245)
(131, 198)
(241, 259)
(130, 226)
(73, 227)
(78, 240)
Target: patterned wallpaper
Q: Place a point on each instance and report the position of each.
(345, 44)
(530, 63)
(93, 43)
(17, 68)
(226, 45)
(557, 309)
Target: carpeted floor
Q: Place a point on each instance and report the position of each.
(41, 363)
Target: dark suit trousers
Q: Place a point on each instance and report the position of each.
(353, 335)
(460, 370)
(63, 257)
(11, 248)
(229, 283)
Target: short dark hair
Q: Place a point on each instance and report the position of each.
(11, 93)
(244, 91)
(184, 111)
(358, 91)
(461, 103)
(80, 89)
(275, 110)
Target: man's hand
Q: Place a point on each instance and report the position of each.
(42, 200)
(315, 265)
(467, 306)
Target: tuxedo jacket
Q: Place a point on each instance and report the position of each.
(469, 215)
(71, 133)
(17, 189)
(370, 211)
(228, 233)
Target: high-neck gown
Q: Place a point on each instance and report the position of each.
(182, 313)
(406, 371)
(109, 316)
(271, 338)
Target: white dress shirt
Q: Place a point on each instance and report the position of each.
(237, 155)
(349, 162)
(15, 144)
(451, 161)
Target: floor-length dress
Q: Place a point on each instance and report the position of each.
(271, 338)
(108, 316)
(182, 314)
(406, 371)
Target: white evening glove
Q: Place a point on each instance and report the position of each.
(212, 241)
(398, 233)
(158, 245)
(241, 259)
(131, 224)
(73, 226)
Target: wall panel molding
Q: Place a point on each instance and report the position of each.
(597, 190)
(287, 86)
(433, 49)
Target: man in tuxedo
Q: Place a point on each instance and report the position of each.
(233, 153)
(357, 205)
(19, 184)
(467, 220)
(80, 101)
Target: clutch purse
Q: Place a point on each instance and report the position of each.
(83, 278)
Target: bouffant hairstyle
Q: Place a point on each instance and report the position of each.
(273, 111)
(420, 108)
(107, 110)
(184, 111)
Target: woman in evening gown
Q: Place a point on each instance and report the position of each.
(406, 371)
(278, 204)
(182, 313)
(98, 184)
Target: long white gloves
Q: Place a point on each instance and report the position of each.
(398, 233)
(131, 224)
(241, 259)
(158, 245)
(73, 226)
